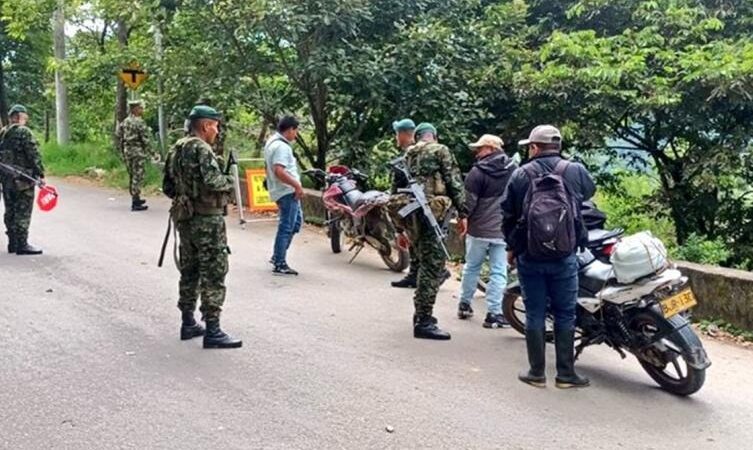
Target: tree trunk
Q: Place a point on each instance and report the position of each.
(161, 119)
(4, 120)
(121, 99)
(61, 92)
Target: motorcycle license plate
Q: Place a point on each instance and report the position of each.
(678, 303)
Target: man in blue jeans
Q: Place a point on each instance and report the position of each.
(284, 185)
(550, 283)
(484, 187)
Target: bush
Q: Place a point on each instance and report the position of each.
(699, 250)
(79, 159)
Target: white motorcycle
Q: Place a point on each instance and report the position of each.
(646, 318)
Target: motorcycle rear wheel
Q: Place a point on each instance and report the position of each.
(671, 376)
(514, 311)
(397, 260)
(335, 236)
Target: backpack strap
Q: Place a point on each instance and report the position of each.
(530, 171)
(561, 167)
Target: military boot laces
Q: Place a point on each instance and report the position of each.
(189, 329)
(426, 328)
(216, 338)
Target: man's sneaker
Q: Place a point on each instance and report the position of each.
(284, 270)
(464, 311)
(495, 321)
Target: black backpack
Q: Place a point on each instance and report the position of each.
(551, 214)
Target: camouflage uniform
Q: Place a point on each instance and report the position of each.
(19, 149)
(434, 167)
(134, 143)
(200, 191)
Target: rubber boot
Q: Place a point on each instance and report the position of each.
(12, 244)
(416, 317)
(189, 329)
(564, 347)
(216, 338)
(24, 248)
(409, 282)
(426, 328)
(536, 345)
(138, 205)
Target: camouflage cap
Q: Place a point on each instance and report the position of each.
(204, 112)
(16, 109)
(424, 128)
(403, 125)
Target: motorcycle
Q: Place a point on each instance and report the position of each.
(647, 318)
(360, 216)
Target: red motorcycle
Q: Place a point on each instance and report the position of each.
(360, 216)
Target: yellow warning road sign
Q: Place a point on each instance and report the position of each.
(258, 196)
(133, 77)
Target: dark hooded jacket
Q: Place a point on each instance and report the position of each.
(484, 188)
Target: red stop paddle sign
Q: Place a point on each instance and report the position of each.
(47, 199)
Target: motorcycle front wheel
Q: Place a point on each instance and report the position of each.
(397, 259)
(335, 235)
(667, 364)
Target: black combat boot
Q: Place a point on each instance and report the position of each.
(536, 344)
(216, 338)
(189, 329)
(24, 248)
(409, 282)
(416, 317)
(138, 205)
(566, 377)
(426, 328)
(12, 244)
(445, 276)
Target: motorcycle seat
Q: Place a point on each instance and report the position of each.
(597, 237)
(371, 197)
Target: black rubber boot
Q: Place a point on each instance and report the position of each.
(189, 329)
(564, 347)
(12, 243)
(536, 345)
(426, 328)
(138, 205)
(24, 248)
(416, 317)
(409, 282)
(216, 338)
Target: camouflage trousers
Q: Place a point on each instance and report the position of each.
(203, 264)
(415, 262)
(432, 265)
(18, 207)
(135, 164)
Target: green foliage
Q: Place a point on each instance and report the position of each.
(704, 251)
(84, 160)
(709, 326)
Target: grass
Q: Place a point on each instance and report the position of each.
(82, 160)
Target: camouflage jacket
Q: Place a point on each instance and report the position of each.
(433, 165)
(133, 136)
(194, 180)
(19, 148)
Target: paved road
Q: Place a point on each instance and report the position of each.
(90, 358)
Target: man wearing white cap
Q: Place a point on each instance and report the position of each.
(544, 227)
(484, 187)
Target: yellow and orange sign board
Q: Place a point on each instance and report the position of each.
(258, 196)
(133, 76)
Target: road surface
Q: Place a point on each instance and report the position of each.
(90, 357)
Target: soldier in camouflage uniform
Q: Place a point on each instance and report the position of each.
(19, 149)
(404, 138)
(200, 190)
(434, 167)
(134, 145)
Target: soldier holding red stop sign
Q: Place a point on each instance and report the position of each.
(19, 151)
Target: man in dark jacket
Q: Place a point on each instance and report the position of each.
(484, 187)
(546, 284)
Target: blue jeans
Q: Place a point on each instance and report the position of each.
(476, 251)
(290, 221)
(552, 284)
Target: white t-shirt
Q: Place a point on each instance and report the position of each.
(278, 152)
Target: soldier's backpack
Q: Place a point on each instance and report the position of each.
(550, 213)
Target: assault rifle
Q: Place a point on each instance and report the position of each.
(416, 190)
(15, 172)
(231, 168)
